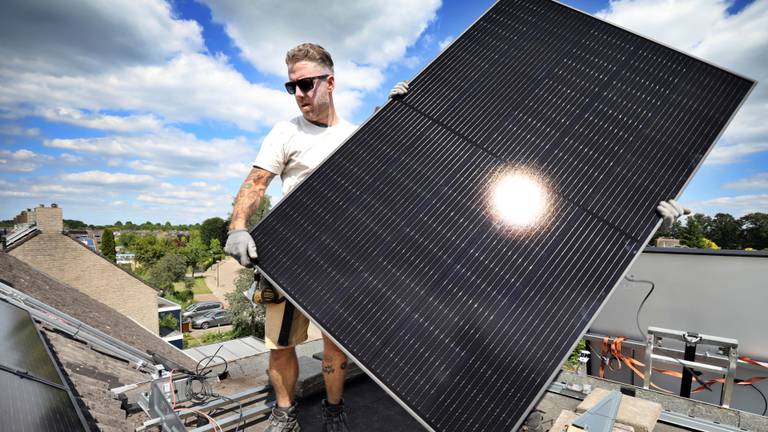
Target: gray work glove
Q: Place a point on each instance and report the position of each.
(241, 246)
(399, 90)
(670, 211)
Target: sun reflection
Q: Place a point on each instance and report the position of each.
(518, 200)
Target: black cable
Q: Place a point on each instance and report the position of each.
(765, 401)
(205, 392)
(642, 303)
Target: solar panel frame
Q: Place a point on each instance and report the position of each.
(62, 390)
(645, 241)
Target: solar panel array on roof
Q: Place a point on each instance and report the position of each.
(460, 242)
(34, 396)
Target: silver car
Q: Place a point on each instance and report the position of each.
(199, 309)
(213, 319)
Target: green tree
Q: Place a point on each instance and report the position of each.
(671, 232)
(108, 245)
(264, 206)
(213, 228)
(118, 224)
(74, 224)
(149, 249)
(247, 320)
(168, 269)
(755, 230)
(693, 233)
(216, 250)
(725, 230)
(195, 252)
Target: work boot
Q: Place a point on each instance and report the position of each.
(334, 417)
(283, 420)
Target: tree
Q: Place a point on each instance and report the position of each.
(149, 249)
(693, 233)
(168, 269)
(108, 245)
(264, 206)
(74, 224)
(725, 230)
(247, 320)
(216, 250)
(213, 228)
(195, 251)
(755, 230)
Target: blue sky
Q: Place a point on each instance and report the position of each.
(152, 110)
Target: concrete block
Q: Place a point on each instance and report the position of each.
(566, 417)
(642, 415)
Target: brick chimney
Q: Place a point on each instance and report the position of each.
(48, 219)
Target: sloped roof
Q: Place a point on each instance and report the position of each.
(92, 312)
(91, 373)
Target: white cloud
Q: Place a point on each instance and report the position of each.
(363, 37)
(70, 158)
(190, 87)
(18, 130)
(129, 123)
(757, 181)
(736, 205)
(169, 152)
(84, 36)
(107, 178)
(705, 29)
(732, 153)
(21, 161)
(443, 44)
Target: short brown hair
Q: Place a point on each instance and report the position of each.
(309, 52)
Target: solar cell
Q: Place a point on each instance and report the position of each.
(461, 241)
(34, 395)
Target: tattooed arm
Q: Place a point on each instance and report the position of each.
(247, 200)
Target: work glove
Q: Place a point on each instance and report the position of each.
(399, 90)
(670, 211)
(241, 246)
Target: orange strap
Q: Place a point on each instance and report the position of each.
(615, 351)
(748, 381)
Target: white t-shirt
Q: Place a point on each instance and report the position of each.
(294, 148)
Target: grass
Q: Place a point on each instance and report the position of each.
(183, 302)
(200, 286)
(208, 338)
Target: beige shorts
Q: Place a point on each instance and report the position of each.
(284, 329)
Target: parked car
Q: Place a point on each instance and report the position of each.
(199, 309)
(213, 319)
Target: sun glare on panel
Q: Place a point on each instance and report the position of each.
(518, 200)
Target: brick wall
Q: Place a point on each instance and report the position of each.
(49, 219)
(71, 263)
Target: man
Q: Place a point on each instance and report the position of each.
(293, 149)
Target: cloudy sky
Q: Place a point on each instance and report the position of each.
(152, 110)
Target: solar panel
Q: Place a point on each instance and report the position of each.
(34, 396)
(460, 242)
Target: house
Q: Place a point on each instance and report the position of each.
(38, 241)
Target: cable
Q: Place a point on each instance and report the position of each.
(765, 401)
(205, 391)
(642, 303)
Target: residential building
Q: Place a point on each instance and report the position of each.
(39, 241)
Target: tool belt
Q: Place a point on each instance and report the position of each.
(262, 292)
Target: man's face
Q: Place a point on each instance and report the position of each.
(314, 104)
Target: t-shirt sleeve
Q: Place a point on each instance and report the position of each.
(272, 154)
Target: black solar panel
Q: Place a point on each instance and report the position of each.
(462, 240)
(34, 396)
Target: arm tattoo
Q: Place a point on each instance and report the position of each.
(328, 368)
(247, 200)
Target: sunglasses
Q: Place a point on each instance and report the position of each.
(305, 84)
